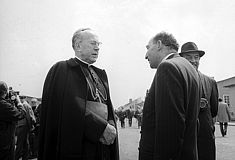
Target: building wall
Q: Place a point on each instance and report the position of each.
(132, 104)
(227, 88)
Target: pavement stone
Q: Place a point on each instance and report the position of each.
(129, 142)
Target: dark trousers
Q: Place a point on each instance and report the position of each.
(223, 128)
(22, 144)
(139, 119)
(7, 153)
(130, 121)
(33, 141)
(122, 123)
(206, 149)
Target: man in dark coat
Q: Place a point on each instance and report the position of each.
(208, 109)
(77, 117)
(170, 110)
(9, 115)
(138, 115)
(34, 133)
(130, 114)
(121, 116)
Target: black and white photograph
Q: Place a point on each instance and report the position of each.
(117, 80)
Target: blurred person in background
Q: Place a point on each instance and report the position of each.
(24, 127)
(223, 116)
(34, 134)
(34, 104)
(11, 110)
(138, 115)
(121, 116)
(130, 115)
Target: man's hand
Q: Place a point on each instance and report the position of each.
(109, 135)
(18, 102)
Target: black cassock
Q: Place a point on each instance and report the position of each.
(65, 131)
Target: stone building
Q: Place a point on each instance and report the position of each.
(132, 104)
(226, 89)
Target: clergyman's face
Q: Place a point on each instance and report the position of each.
(193, 58)
(89, 47)
(153, 54)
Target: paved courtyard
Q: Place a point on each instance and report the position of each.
(129, 142)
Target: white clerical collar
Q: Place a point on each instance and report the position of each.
(82, 61)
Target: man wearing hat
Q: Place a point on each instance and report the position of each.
(208, 105)
(9, 115)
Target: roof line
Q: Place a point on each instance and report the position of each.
(225, 79)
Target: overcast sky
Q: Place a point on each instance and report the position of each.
(35, 34)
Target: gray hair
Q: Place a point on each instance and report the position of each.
(77, 35)
(167, 39)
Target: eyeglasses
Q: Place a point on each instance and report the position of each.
(95, 43)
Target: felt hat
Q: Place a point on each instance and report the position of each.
(190, 47)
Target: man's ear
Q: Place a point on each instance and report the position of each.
(159, 44)
(77, 45)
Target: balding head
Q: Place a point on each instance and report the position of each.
(3, 88)
(86, 45)
(78, 35)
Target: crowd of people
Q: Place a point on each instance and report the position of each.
(19, 125)
(129, 114)
(77, 119)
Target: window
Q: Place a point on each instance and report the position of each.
(226, 99)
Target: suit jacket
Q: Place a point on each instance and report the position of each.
(206, 139)
(170, 113)
(223, 113)
(63, 125)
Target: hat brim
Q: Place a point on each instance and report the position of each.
(201, 53)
